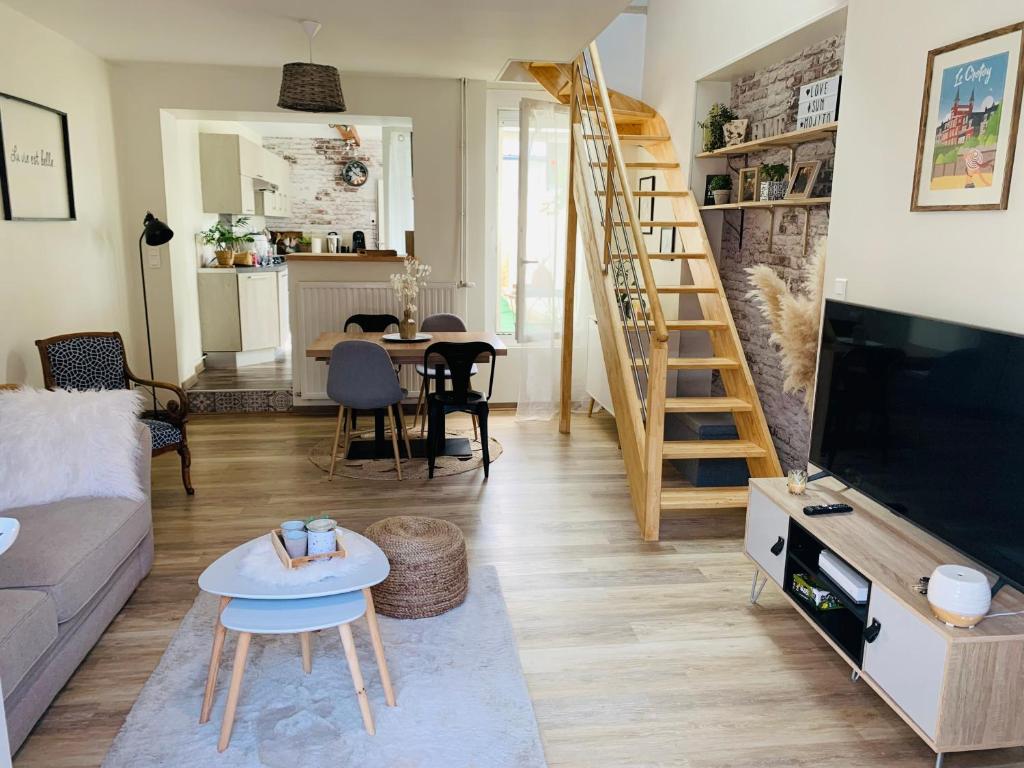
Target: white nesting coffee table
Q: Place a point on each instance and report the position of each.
(224, 577)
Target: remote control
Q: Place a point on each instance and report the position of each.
(827, 509)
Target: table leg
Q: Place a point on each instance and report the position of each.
(357, 676)
(307, 652)
(378, 648)
(211, 676)
(241, 654)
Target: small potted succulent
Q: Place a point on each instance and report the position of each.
(773, 181)
(721, 187)
(305, 244)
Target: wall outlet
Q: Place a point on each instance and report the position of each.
(839, 289)
(154, 258)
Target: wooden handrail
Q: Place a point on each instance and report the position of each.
(660, 332)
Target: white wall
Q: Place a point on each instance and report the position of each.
(66, 276)
(141, 90)
(621, 47)
(962, 266)
(687, 39)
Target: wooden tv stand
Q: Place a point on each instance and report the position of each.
(959, 689)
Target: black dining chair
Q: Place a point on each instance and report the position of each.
(370, 324)
(360, 375)
(459, 359)
(441, 322)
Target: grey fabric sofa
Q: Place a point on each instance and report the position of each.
(74, 565)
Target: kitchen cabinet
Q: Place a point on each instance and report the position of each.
(228, 165)
(240, 311)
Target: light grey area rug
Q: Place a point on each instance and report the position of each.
(462, 698)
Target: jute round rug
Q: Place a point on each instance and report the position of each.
(412, 469)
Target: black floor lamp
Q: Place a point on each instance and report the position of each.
(155, 233)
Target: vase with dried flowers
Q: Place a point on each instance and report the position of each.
(407, 287)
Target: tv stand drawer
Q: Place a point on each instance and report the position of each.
(767, 531)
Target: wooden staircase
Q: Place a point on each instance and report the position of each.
(636, 338)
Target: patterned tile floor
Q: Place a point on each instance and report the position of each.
(261, 388)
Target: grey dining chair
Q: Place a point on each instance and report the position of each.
(440, 322)
(360, 377)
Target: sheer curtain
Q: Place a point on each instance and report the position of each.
(543, 212)
(397, 187)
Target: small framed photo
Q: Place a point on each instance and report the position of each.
(802, 178)
(35, 162)
(750, 185)
(709, 199)
(970, 113)
(667, 243)
(735, 132)
(645, 205)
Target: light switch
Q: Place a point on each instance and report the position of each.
(839, 291)
(154, 258)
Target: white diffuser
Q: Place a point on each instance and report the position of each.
(958, 595)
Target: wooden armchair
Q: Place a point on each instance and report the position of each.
(97, 360)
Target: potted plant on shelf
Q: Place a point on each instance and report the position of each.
(773, 181)
(229, 244)
(305, 244)
(714, 126)
(721, 186)
(407, 287)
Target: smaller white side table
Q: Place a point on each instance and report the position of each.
(292, 617)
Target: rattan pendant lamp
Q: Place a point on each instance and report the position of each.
(309, 87)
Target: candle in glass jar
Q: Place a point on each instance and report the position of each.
(797, 481)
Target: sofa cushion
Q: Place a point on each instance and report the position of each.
(70, 548)
(28, 627)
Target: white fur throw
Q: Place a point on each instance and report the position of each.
(59, 445)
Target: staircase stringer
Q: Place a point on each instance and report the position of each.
(617, 361)
(750, 425)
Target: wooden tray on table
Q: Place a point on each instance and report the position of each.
(298, 562)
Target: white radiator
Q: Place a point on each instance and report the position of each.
(326, 306)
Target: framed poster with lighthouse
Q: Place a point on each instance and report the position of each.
(970, 115)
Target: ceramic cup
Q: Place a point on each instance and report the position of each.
(295, 543)
(293, 525)
(321, 538)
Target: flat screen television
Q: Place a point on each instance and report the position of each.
(927, 418)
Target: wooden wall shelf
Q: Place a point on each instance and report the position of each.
(809, 202)
(790, 139)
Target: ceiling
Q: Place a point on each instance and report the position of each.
(438, 38)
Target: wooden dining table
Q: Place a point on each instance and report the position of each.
(404, 353)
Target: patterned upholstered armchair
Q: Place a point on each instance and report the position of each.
(97, 360)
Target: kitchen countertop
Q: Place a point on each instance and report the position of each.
(343, 257)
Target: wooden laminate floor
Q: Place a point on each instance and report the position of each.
(261, 376)
(637, 655)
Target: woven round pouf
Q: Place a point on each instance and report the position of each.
(429, 572)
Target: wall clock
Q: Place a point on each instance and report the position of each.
(354, 173)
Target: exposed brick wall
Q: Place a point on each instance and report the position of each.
(766, 93)
(321, 201)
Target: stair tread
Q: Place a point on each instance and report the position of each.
(706, 405)
(696, 363)
(695, 325)
(629, 138)
(674, 289)
(660, 223)
(721, 497)
(711, 449)
(650, 192)
(638, 164)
